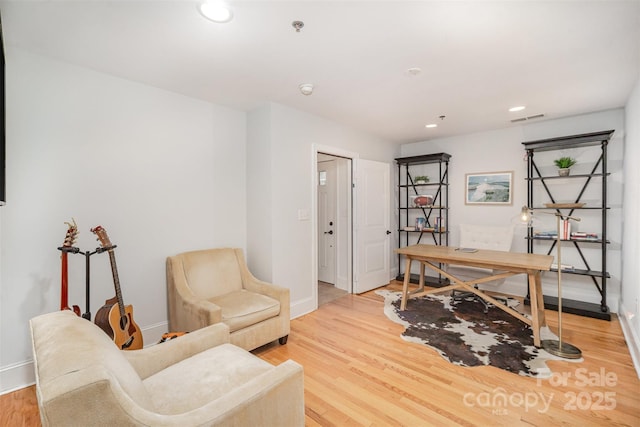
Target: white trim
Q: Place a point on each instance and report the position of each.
(333, 151)
(16, 376)
(305, 306)
(630, 336)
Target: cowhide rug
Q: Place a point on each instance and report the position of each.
(464, 335)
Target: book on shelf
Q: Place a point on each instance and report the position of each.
(583, 235)
(565, 233)
(565, 267)
(545, 234)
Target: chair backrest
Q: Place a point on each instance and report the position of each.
(498, 238)
(212, 272)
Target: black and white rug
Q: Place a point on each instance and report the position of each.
(464, 335)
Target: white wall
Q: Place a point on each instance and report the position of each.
(502, 150)
(259, 187)
(161, 172)
(293, 136)
(630, 295)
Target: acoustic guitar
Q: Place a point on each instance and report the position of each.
(67, 246)
(115, 318)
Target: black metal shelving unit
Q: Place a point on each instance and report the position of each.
(599, 173)
(436, 231)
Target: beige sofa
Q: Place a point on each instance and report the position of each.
(83, 379)
(209, 286)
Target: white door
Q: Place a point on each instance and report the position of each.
(327, 229)
(373, 225)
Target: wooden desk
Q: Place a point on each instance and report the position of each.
(509, 264)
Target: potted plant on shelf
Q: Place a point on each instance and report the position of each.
(422, 179)
(564, 164)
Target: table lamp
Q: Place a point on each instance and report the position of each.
(556, 347)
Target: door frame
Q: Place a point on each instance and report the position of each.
(333, 151)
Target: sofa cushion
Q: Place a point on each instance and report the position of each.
(245, 308)
(203, 378)
(64, 344)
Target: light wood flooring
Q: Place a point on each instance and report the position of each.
(327, 292)
(359, 372)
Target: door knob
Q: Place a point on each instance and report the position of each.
(388, 232)
(328, 232)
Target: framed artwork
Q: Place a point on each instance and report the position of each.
(492, 188)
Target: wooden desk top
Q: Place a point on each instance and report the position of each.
(484, 258)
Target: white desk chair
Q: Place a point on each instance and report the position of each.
(497, 238)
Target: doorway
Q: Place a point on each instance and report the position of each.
(334, 183)
(362, 210)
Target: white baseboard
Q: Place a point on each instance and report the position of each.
(631, 337)
(152, 334)
(20, 375)
(300, 308)
(16, 376)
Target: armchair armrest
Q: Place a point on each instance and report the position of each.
(253, 284)
(197, 313)
(258, 286)
(277, 396)
(151, 360)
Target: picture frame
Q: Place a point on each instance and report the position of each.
(489, 188)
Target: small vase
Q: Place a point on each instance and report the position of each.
(563, 171)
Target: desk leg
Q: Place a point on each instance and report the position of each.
(535, 292)
(405, 285)
(542, 321)
(421, 279)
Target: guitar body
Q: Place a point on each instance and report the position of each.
(123, 330)
(115, 318)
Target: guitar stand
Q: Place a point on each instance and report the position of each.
(87, 255)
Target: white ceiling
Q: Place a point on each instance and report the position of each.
(478, 58)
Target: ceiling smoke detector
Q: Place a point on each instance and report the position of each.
(297, 25)
(306, 89)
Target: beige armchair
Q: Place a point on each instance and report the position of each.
(214, 285)
(199, 379)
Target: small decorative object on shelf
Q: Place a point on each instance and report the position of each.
(564, 165)
(422, 201)
(421, 179)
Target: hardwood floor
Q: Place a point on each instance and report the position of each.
(328, 292)
(359, 372)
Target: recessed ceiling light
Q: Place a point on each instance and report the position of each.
(216, 11)
(431, 125)
(518, 108)
(414, 71)
(306, 88)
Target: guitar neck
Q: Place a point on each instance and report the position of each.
(116, 281)
(64, 292)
